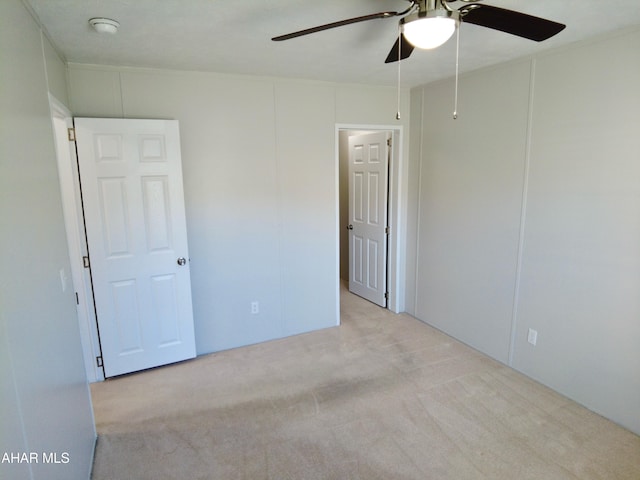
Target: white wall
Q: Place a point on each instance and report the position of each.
(528, 217)
(46, 406)
(580, 279)
(470, 194)
(261, 180)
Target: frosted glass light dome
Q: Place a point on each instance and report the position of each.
(429, 31)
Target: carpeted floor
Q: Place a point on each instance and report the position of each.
(381, 397)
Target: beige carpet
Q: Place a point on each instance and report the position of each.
(382, 397)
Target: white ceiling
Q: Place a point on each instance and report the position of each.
(234, 36)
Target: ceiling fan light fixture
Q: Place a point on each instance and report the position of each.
(430, 30)
(104, 25)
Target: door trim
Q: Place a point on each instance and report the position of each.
(76, 241)
(396, 219)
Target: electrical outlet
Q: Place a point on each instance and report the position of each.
(532, 337)
(255, 308)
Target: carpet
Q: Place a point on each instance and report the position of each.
(383, 396)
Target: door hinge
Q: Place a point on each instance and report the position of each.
(85, 262)
(388, 142)
(387, 230)
(386, 295)
(99, 361)
(77, 299)
(71, 133)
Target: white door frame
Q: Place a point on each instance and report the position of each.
(76, 240)
(395, 220)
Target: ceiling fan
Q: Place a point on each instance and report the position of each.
(428, 24)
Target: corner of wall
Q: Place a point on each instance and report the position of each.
(416, 101)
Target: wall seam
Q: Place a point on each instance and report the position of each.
(419, 209)
(17, 396)
(121, 94)
(282, 289)
(523, 213)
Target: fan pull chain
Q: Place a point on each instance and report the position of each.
(399, 61)
(455, 100)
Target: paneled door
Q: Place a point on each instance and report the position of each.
(368, 197)
(132, 194)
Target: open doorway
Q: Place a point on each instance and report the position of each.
(392, 233)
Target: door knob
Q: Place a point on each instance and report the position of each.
(349, 227)
(182, 261)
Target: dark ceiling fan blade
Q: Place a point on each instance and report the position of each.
(341, 23)
(508, 21)
(405, 50)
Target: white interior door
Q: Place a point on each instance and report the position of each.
(368, 197)
(131, 177)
